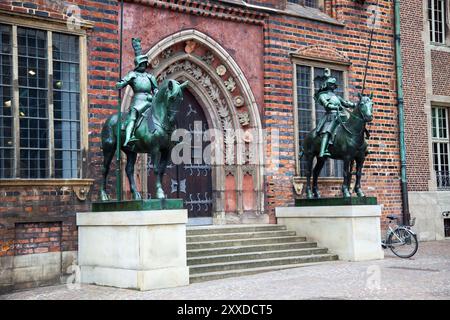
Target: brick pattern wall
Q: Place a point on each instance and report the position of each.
(282, 35)
(441, 72)
(40, 205)
(40, 237)
(414, 85)
(287, 34)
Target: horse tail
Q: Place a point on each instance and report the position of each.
(109, 138)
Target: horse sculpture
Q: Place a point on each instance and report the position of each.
(157, 142)
(349, 145)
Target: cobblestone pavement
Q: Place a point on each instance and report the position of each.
(425, 276)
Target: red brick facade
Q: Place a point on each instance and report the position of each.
(260, 42)
(28, 209)
(416, 126)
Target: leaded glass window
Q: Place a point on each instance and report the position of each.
(437, 20)
(6, 114)
(440, 138)
(40, 113)
(66, 99)
(307, 3)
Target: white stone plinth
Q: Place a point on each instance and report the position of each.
(351, 232)
(140, 250)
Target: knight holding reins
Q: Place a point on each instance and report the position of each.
(334, 106)
(144, 86)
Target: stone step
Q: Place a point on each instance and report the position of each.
(255, 256)
(245, 272)
(243, 242)
(203, 230)
(214, 267)
(240, 235)
(251, 248)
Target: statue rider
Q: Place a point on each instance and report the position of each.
(144, 86)
(334, 107)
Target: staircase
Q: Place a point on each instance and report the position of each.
(217, 252)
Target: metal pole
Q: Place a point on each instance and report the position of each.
(370, 49)
(119, 115)
(401, 120)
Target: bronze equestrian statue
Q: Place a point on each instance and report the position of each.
(151, 119)
(338, 136)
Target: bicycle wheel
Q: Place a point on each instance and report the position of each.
(403, 243)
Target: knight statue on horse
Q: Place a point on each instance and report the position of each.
(144, 86)
(341, 134)
(149, 127)
(333, 105)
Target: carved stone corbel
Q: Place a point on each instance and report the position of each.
(81, 192)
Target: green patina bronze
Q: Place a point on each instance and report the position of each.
(363, 201)
(148, 127)
(340, 135)
(138, 205)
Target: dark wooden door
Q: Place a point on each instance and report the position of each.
(192, 181)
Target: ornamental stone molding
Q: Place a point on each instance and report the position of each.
(320, 52)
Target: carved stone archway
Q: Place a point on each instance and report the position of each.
(227, 100)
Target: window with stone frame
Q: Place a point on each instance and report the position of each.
(39, 113)
(308, 81)
(440, 142)
(308, 3)
(437, 19)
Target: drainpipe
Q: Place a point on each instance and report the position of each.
(401, 119)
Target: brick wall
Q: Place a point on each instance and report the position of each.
(287, 34)
(272, 87)
(414, 85)
(441, 72)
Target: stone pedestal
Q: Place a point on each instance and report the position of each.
(352, 232)
(140, 250)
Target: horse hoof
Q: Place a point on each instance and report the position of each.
(137, 196)
(309, 195)
(160, 195)
(360, 194)
(104, 196)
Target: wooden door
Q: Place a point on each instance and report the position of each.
(192, 181)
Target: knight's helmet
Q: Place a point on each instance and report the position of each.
(139, 57)
(328, 79)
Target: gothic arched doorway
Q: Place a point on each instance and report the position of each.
(218, 84)
(190, 181)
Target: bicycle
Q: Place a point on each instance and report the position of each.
(401, 239)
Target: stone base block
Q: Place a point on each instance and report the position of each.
(351, 232)
(135, 279)
(140, 250)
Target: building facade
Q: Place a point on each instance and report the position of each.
(252, 67)
(426, 57)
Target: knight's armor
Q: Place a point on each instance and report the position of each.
(144, 86)
(334, 108)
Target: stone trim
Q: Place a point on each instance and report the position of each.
(45, 182)
(47, 23)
